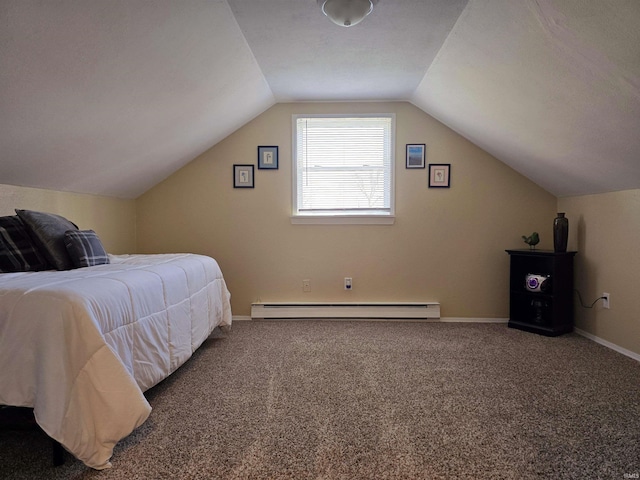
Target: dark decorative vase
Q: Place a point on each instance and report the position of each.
(560, 233)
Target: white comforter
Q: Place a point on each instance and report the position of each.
(80, 346)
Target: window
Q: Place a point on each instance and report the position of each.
(343, 168)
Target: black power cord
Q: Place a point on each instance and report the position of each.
(588, 306)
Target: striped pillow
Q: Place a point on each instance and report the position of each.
(18, 252)
(85, 248)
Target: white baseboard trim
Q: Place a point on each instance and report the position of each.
(244, 318)
(351, 310)
(473, 320)
(608, 344)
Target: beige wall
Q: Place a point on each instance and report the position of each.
(114, 220)
(446, 245)
(605, 230)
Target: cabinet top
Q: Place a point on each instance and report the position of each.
(539, 253)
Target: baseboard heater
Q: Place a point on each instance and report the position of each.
(412, 310)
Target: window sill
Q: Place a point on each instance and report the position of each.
(343, 219)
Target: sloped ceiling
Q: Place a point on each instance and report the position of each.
(550, 87)
(111, 96)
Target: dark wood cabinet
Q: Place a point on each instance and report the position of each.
(541, 291)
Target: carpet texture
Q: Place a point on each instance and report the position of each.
(376, 400)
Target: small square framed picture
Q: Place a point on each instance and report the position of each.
(415, 155)
(268, 158)
(439, 175)
(243, 176)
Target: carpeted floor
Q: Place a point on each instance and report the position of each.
(376, 400)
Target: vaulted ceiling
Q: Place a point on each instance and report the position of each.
(112, 96)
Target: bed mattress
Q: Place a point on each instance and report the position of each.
(81, 346)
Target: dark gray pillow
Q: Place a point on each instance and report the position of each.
(47, 230)
(85, 248)
(18, 252)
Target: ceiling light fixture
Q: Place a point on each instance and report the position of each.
(346, 13)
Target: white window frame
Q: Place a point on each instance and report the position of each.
(337, 216)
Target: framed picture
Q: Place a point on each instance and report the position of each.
(243, 176)
(268, 158)
(439, 175)
(415, 155)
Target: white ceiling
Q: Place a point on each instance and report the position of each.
(112, 96)
(305, 57)
(550, 87)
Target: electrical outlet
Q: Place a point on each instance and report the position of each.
(306, 285)
(348, 283)
(606, 300)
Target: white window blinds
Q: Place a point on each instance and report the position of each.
(343, 165)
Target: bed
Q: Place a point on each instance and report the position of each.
(80, 346)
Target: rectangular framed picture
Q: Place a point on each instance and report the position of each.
(268, 157)
(439, 175)
(243, 176)
(415, 155)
